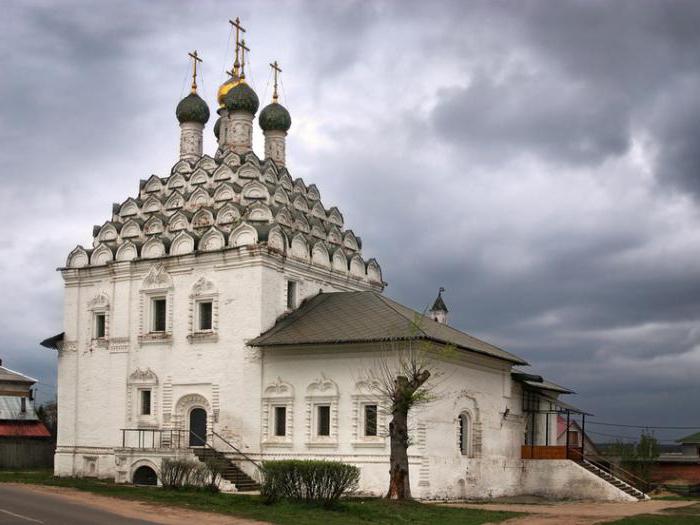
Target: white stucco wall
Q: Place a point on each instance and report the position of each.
(97, 390)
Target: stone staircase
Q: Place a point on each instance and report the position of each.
(229, 471)
(625, 487)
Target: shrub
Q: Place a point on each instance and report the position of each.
(183, 473)
(318, 482)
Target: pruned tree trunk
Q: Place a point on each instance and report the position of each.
(399, 482)
(402, 401)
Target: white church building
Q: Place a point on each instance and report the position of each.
(224, 309)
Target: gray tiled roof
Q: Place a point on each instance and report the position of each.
(354, 317)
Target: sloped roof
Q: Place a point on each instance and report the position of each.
(692, 438)
(354, 317)
(439, 304)
(15, 377)
(23, 429)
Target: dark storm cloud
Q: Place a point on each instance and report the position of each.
(512, 152)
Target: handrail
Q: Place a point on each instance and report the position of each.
(238, 451)
(143, 442)
(628, 477)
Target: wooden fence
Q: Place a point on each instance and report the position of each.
(548, 452)
(26, 453)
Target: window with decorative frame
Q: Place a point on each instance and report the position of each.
(142, 395)
(99, 316)
(204, 312)
(277, 414)
(156, 319)
(322, 413)
(369, 418)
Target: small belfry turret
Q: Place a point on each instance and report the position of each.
(238, 104)
(439, 310)
(275, 121)
(192, 113)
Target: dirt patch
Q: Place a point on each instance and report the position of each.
(583, 513)
(140, 510)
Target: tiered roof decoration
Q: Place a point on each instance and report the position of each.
(217, 204)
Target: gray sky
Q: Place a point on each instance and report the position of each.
(541, 160)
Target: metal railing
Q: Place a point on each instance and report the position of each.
(616, 471)
(153, 438)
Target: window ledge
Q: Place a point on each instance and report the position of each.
(281, 444)
(156, 337)
(100, 342)
(203, 337)
(322, 444)
(369, 444)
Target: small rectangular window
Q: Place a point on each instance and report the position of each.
(280, 421)
(100, 325)
(23, 405)
(291, 295)
(205, 315)
(145, 402)
(159, 308)
(324, 420)
(370, 420)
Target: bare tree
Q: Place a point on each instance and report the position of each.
(403, 377)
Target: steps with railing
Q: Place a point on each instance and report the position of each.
(617, 476)
(229, 471)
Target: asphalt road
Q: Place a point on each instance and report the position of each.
(23, 507)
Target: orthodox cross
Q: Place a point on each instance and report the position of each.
(243, 50)
(276, 68)
(195, 59)
(239, 28)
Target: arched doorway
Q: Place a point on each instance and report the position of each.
(198, 427)
(145, 476)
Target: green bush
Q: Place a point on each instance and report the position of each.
(183, 473)
(318, 482)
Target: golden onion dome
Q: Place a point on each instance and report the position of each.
(225, 88)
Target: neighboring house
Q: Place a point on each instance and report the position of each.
(683, 466)
(576, 438)
(226, 306)
(24, 440)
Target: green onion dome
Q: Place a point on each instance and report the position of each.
(241, 97)
(275, 117)
(192, 109)
(217, 127)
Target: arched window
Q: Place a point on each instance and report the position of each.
(463, 434)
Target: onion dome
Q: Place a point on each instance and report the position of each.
(241, 97)
(224, 89)
(192, 109)
(217, 127)
(275, 117)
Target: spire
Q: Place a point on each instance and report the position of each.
(276, 69)
(239, 29)
(195, 59)
(439, 310)
(275, 121)
(243, 50)
(192, 113)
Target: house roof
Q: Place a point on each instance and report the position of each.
(356, 317)
(8, 375)
(23, 429)
(692, 438)
(536, 381)
(52, 342)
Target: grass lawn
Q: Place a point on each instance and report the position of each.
(350, 511)
(681, 516)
